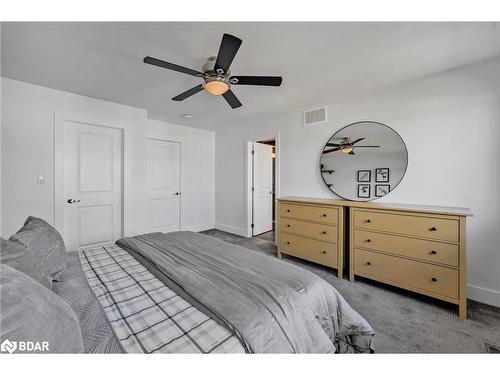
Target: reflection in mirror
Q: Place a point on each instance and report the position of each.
(364, 161)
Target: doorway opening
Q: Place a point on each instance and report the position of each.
(263, 191)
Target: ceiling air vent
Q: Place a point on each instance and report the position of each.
(314, 116)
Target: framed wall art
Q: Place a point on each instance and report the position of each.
(382, 175)
(381, 190)
(364, 191)
(364, 175)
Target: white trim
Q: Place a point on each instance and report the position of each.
(199, 228)
(230, 229)
(484, 295)
(248, 187)
(58, 171)
(59, 119)
(248, 174)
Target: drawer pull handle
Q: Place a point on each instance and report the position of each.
(324, 232)
(287, 210)
(288, 243)
(324, 215)
(368, 240)
(433, 252)
(368, 221)
(288, 225)
(434, 279)
(433, 229)
(324, 251)
(368, 263)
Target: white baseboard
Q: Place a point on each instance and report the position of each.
(484, 295)
(234, 230)
(199, 228)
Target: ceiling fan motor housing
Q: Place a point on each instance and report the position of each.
(210, 75)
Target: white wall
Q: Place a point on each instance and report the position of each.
(28, 148)
(450, 123)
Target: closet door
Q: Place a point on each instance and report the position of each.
(164, 185)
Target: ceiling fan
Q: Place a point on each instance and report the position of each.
(345, 146)
(217, 79)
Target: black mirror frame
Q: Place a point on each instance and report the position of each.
(354, 123)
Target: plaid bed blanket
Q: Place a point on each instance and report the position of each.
(147, 316)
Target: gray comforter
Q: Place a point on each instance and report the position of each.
(270, 305)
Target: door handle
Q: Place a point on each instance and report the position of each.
(177, 193)
(70, 201)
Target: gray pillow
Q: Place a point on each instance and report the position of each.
(32, 313)
(17, 256)
(44, 243)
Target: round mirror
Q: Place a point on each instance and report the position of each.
(364, 161)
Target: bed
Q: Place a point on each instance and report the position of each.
(250, 302)
(185, 292)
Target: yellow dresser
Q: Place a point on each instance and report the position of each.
(422, 250)
(418, 248)
(312, 230)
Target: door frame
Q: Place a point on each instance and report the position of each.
(180, 170)
(59, 119)
(249, 140)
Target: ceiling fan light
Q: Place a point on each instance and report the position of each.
(216, 87)
(346, 149)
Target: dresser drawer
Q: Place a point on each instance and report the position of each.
(437, 252)
(326, 215)
(427, 227)
(313, 250)
(321, 232)
(407, 273)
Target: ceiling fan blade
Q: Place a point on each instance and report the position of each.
(364, 146)
(352, 153)
(334, 144)
(332, 150)
(356, 141)
(232, 99)
(258, 80)
(164, 64)
(188, 93)
(227, 50)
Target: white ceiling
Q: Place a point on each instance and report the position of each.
(316, 60)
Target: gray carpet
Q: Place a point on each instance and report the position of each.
(404, 322)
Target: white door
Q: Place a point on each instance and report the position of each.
(92, 185)
(164, 185)
(263, 188)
